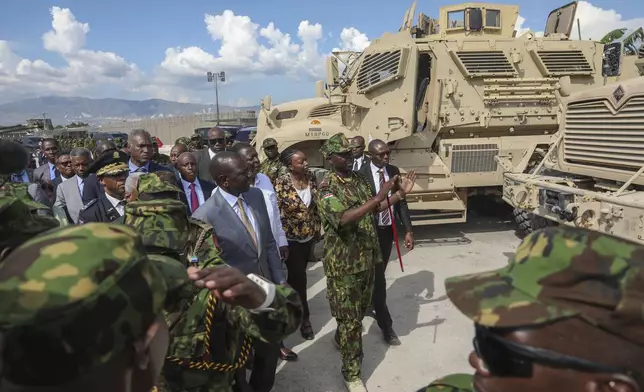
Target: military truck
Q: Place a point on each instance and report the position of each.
(592, 175)
(461, 99)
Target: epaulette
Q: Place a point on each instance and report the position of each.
(89, 204)
(202, 225)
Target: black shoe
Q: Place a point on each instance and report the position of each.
(307, 331)
(286, 354)
(392, 339)
(370, 312)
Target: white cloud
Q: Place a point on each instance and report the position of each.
(595, 22)
(247, 51)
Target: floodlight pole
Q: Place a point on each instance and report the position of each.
(216, 77)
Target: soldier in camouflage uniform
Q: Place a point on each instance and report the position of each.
(210, 339)
(229, 140)
(272, 165)
(351, 249)
(81, 310)
(196, 144)
(564, 315)
(161, 159)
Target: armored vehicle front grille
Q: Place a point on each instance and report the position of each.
(598, 136)
(486, 63)
(474, 158)
(565, 62)
(377, 68)
(325, 111)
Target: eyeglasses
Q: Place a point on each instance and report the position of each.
(212, 142)
(505, 358)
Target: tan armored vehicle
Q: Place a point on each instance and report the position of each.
(460, 98)
(592, 175)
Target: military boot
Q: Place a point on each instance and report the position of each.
(355, 386)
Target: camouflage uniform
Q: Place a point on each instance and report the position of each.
(273, 168)
(85, 294)
(556, 273)
(229, 140)
(210, 339)
(161, 159)
(196, 143)
(182, 140)
(350, 253)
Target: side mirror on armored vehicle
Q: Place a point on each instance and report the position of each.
(266, 103)
(561, 20)
(611, 63)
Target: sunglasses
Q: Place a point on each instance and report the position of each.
(212, 142)
(505, 358)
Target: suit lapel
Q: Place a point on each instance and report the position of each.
(229, 217)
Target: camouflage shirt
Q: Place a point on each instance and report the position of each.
(451, 383)
(273, 169)
(161, 159)
(206, 334)
(350, 248)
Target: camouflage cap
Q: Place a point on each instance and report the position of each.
(228, 135)
(558, 273)
(270, 142)
(336, 144)
(161, 223)
(19, 222)
(182, 140)
(153, 183)
(79, 296)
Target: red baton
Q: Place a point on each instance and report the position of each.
(393, 226)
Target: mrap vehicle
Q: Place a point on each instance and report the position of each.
(461, 99)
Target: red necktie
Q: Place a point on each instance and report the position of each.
(194, 200)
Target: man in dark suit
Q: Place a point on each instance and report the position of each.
(93, 188)
(216, 144)
(377, 171)
(239, 217)
(359, 157)
(141, 147)
(196, 191)
(111, 170)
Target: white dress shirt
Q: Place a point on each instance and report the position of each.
(212, 154)
(116, 203)
(81, 185)
(188, 192)
(357, 163)
(232, 201)
(375, 172)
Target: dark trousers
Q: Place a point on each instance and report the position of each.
(296, 264)
(262, 376)
(379, 298)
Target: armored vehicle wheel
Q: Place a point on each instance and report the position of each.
(528, 222)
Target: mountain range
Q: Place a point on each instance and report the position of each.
(64, 110)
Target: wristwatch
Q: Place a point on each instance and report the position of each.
(269, 289)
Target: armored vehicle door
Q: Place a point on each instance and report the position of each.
(561, 20)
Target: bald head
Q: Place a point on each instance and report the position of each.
(359, 144)
(229, 171)
(379, 151)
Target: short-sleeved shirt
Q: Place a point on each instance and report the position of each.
(353, 247)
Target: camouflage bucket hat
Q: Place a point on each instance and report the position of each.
(79, 295)
(161, 223)
(558, 273)
(153, 183)
(183, 140)
(336, 144)
(19, 223)
(21, 191)
(270, 142)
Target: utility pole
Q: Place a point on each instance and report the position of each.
(216, 78)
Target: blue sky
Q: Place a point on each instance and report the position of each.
(140, 32)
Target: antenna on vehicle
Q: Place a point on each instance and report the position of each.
(579, 29)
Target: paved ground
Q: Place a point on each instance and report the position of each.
(435, 337)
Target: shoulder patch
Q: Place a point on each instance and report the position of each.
(89, 204)
(325, 194)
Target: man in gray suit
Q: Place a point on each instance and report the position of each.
(69, 194)
(239, 217)
(46, 173)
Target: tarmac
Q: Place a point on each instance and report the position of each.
(436, 338)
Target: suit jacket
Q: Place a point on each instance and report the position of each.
(68, 197)
(203, 164)
(42, 172)
(92, 188)
(235, 241)
(206, 187)
(98, 210)
(400, 209)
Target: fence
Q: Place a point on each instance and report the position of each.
(168, 129)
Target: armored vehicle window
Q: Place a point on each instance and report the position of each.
(286, 114)
(456, 19)
(492, 18)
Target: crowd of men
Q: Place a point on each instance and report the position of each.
(123, 270)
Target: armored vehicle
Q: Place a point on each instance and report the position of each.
(592, 175)
(461, 99)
